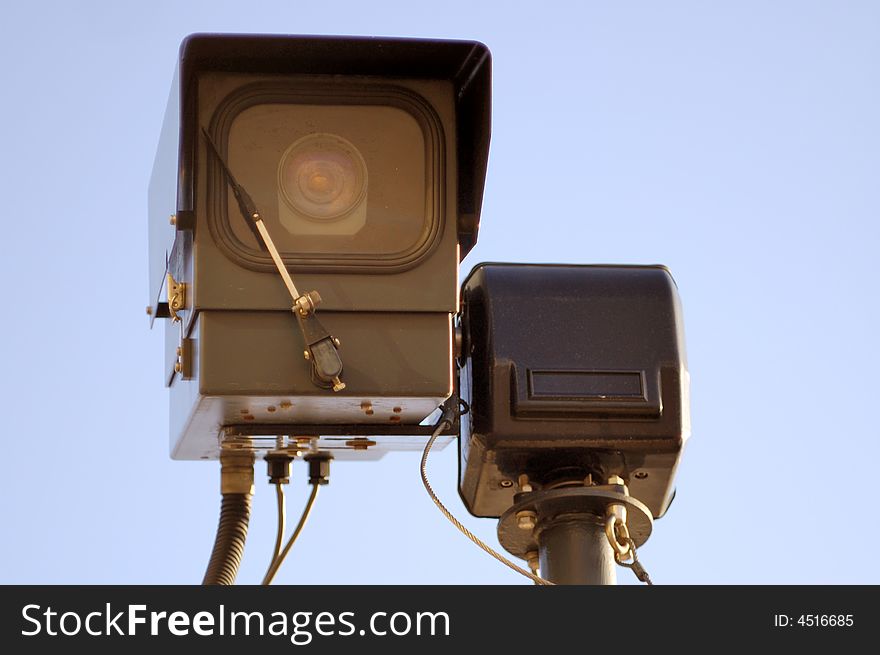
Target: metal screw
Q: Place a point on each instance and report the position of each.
(532, 559)
(337, 342)
(306, 355)
(360, 443)
(525, 520)
(524, 484)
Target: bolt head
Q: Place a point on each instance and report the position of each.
(525, 520)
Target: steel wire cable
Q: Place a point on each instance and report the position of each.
(443, 424)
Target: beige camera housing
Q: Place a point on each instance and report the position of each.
(415, 116)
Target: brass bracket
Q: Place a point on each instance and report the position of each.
(184, 363)
(176, 297)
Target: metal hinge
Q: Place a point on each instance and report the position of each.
(176, 297)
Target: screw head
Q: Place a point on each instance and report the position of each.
(360, 443)
(306, 355)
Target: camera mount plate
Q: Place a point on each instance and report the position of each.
(589, 503)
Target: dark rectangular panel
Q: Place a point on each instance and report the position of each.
(585, 385)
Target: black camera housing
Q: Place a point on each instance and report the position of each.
(569, 372)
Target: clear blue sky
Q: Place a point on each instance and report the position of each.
(736, 142)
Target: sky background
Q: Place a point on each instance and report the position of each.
(736, 142)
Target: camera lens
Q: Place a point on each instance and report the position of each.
(322, 176)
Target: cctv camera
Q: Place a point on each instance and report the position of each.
(355, 168)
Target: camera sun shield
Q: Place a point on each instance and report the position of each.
(569, 372)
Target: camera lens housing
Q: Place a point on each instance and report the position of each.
(323, 177)
(365, 159)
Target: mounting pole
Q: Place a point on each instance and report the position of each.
(573, 549)
(566, 527)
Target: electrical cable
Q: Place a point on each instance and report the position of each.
(235, 513)
(279, 560)
(444, 423)
(282, 520)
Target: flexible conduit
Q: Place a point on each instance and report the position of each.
(235, 513)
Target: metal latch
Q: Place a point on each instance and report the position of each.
(176, 297)
(184, 363)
